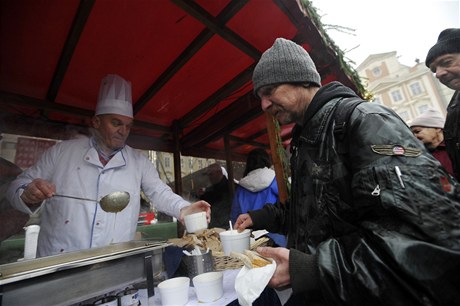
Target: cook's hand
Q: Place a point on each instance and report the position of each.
(281, 277)
(194, 208)
(37, 191)
(244, 221)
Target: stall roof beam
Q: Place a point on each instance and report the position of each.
(217, 27)
(229, 11)
(71, 43)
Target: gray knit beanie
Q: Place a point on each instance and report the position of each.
(284, 62)
(448, 42)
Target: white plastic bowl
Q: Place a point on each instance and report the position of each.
(174, 291)
(232, 241)
(209, 287)
(196, 222)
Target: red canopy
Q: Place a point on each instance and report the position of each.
(190, 64)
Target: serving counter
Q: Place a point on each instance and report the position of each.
(73, 277)
(12, 248)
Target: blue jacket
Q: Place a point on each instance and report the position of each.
(254, 191)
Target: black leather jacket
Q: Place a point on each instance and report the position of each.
(372, 238)
(452, 132)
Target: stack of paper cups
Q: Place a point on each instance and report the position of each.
(30, 244)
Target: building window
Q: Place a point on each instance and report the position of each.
(396, 96)
(404, 115)
(167, 162)
(376, 71)
(415, 88)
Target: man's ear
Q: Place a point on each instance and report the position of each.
(96, 121)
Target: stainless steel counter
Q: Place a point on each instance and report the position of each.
(73, 277)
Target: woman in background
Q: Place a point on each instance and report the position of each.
(257, 188)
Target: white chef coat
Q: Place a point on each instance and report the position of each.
(74, 167)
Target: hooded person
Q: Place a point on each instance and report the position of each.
(256, 188)
(428, 128)
(99, 165)
(443, 59)
(369, 206)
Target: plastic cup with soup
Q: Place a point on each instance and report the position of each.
(232, 241)
(196, 222)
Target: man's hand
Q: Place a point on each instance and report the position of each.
(37, 191)
(194, 208)
(281, 277)
(244, 221)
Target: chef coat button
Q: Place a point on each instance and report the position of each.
(97, 223)
(66, 221)
(62, 250)
(87, 158)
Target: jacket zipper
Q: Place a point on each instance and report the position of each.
(376, 191)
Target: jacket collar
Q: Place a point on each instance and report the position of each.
(117, 160)
(318, 112)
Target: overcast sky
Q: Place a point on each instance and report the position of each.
(409, 27)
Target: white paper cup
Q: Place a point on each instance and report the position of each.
(31, 241)
(232, 241)
(174, 291)
(196, 222)
(209, 287)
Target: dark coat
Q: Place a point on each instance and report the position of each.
(368, 238)
(452, 132)
(220, 198)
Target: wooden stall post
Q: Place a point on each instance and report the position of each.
(277, 152)
(229, 164)
(177, 164)
(177, 172)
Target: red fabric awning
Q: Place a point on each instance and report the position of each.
(190, 64)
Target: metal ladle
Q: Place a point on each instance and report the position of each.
(113, 202)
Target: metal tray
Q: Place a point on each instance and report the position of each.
(16, 271)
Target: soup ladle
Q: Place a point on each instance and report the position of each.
(113, 202)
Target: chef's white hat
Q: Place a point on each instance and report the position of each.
(115, 96)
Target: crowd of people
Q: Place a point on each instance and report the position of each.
(373, 214)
